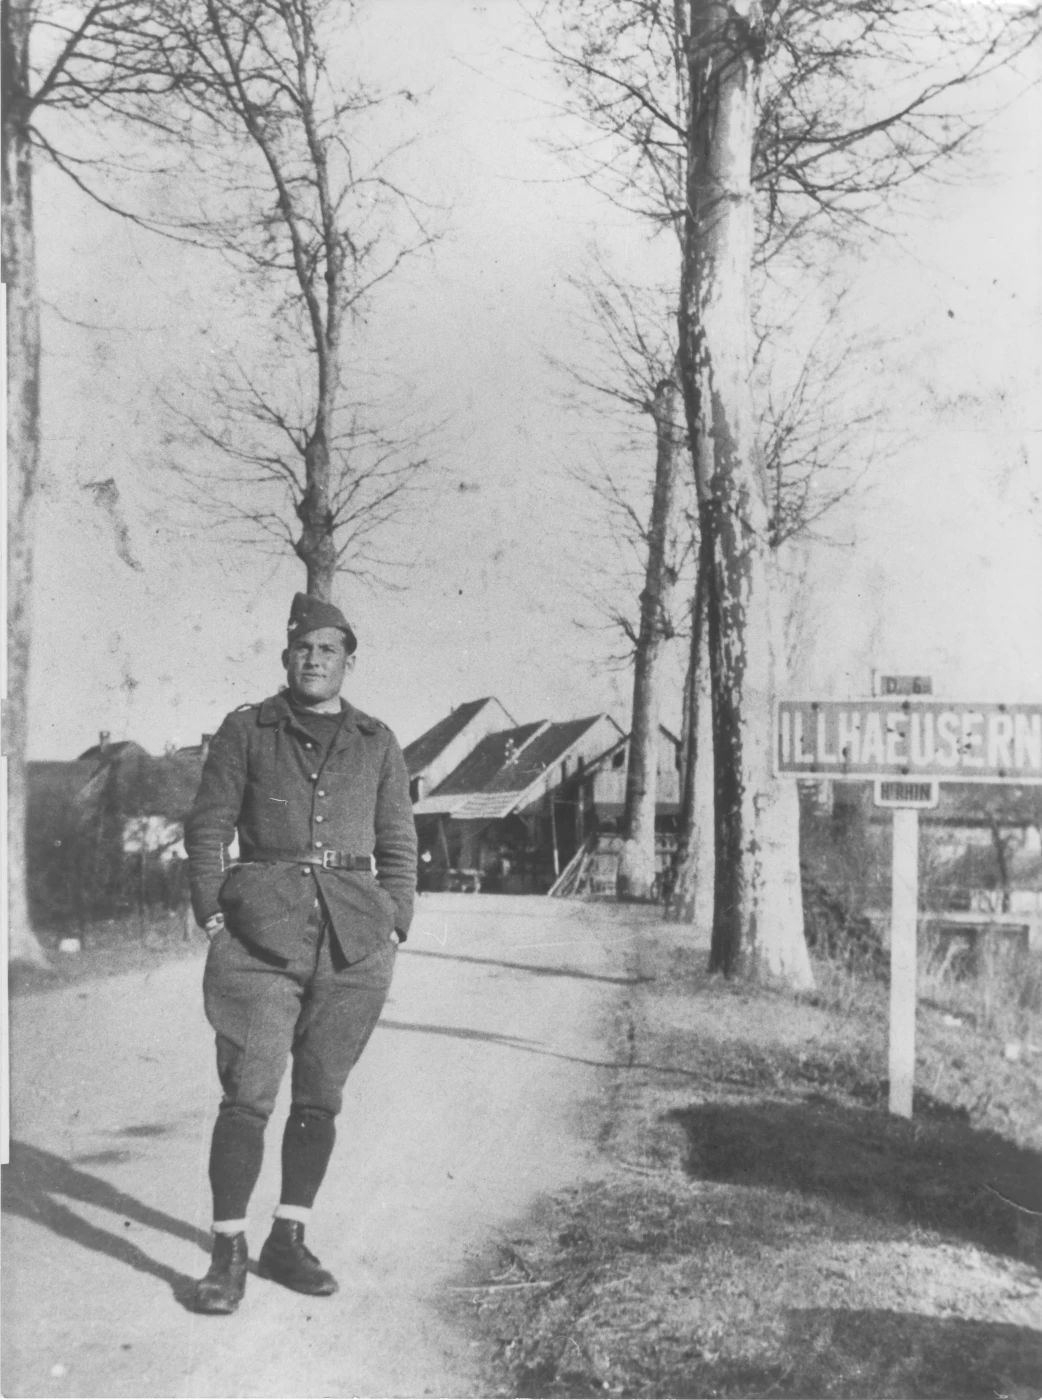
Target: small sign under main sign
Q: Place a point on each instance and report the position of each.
(901, 685)
(904, 792)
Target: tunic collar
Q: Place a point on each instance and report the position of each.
(277, 708)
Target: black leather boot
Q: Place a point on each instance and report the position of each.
(221, 1290)
(285, 1259)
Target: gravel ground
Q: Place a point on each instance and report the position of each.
(478, 1095)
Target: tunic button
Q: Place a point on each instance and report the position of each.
(321, 792)
(314, 777)
(318, 819)
(318, 845)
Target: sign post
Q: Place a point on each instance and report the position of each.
(907, 743)
(904, 918)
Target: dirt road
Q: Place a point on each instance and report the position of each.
(478, 1092)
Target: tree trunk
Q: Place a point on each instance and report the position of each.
(637, 868)
(316, 547)
(23, 448)
(757, 920)
(1002, 862)
(691, 898)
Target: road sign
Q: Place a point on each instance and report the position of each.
(901, 685)
(906, 792)
(918, 739)
(907, 746)
(904, 921)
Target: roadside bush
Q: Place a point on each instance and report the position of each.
(1001, 992)
(842, 867)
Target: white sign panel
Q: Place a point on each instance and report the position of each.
(887, 737)
(883, 684)
(907, 792)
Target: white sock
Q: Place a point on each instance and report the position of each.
(301, 1213)
(228, 1227)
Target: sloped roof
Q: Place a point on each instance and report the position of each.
(60, 795)
(486, 806)
(493, 781)
(546, 748)
(428, 746)
(134, 784)
(112, 751)
(163, 787)
(479, 768)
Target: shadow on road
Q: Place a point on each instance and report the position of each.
(947, 1356)
(934, 1173)
(854, 1353)
(870, 1352)
(537, 970)
(533, 1047)
(34, 1181)
(512, 1042)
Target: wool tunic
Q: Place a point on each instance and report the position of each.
(266, 778)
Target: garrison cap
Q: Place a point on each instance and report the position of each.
(307, 614)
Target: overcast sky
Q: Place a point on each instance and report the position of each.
(145, 625)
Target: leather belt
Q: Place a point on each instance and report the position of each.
(327, 859)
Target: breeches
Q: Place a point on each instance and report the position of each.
(314, 1007)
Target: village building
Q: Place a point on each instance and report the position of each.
(508, 807)
(593, 869)
(104, 832)
(435, 754)
(532, 809)
(502, 806)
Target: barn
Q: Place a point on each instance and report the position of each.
(502, 806)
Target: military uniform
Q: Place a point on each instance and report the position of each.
(313, 910)
(266, 778)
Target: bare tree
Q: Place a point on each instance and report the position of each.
(813, 439)
(755, 132)
(636, 371)
(690, 893)
(637, 861)
(242, 100)
(813, 433)
(757, 919)
(262, 142)
(855, 100)
(249, 471)
(68, 75)
(262, 98)
(23, 444)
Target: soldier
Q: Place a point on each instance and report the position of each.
(304, 929)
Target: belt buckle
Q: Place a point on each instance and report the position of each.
(328, 858)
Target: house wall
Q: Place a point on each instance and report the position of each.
(590, 747)
(608, 792)
(609, 789)
(489, 718)
(668, 754)
(515, 853)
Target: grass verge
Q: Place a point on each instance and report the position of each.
(761, 1227)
